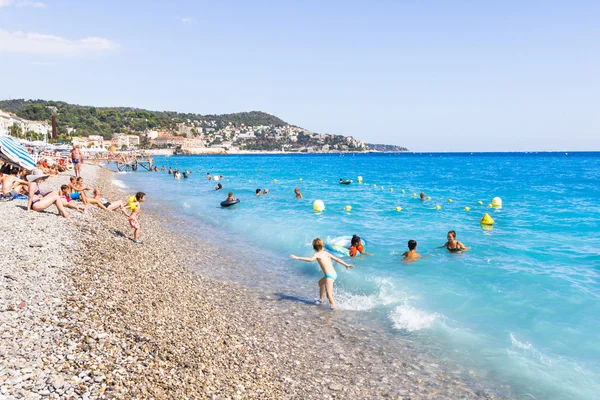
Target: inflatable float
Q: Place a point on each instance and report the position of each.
(227, 203)
(340, 246)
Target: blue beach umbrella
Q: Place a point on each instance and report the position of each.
(13, 153)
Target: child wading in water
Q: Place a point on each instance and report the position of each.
(324, 259)
(134, 205)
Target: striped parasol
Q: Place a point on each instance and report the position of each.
(13, 153)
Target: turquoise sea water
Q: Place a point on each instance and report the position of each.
(521, 308)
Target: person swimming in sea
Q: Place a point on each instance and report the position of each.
(298, 194)
(219, 186)
(356, 247)
(208, 176)
(411, 254)
(453, 245)
(258, 192)
(230, 197)
(422, 196)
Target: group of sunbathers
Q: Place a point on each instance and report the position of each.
(52, 168)
(12, 182)
(76, 190)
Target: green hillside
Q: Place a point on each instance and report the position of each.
(89, 120)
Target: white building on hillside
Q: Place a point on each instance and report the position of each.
(7, 120)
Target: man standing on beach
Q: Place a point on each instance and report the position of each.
(76, 158)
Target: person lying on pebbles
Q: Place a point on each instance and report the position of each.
(105, 204)
(39, 202)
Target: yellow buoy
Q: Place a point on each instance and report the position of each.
(318, 206)
(274, 180)
(414, 195)
(348, 208)
(402, 190)
(398, 208)
(428, 197)
(391, 189)
(480, 202)
(487, 219)
(497, 202)
(449, 200)
(374, 185)
(381, 187)
(467, 208)
(300, 179)
(490, 205)
(359, 179)
(438, 207)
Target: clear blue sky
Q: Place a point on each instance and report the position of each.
(430, 75)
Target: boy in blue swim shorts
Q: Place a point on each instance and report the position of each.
(324, 259)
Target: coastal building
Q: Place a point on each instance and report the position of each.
(39, 127)
(169, 141)
(192, 143)
(184, 129)
(132, 140)
(80, 141)
(151, 134)
(96, 141)
(7, 120)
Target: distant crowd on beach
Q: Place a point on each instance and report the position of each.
(17, 183)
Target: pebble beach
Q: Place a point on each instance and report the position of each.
(85, 313)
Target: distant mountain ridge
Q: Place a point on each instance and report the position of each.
(253, 131)
(105, 121)
(386, 147)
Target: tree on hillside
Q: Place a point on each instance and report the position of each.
(16, 131)
(35, 112)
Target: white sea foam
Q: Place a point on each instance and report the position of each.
(385, 295)
(119, 184)
(186, 204)
(530, 351)
(519, 345)
(411, 319)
